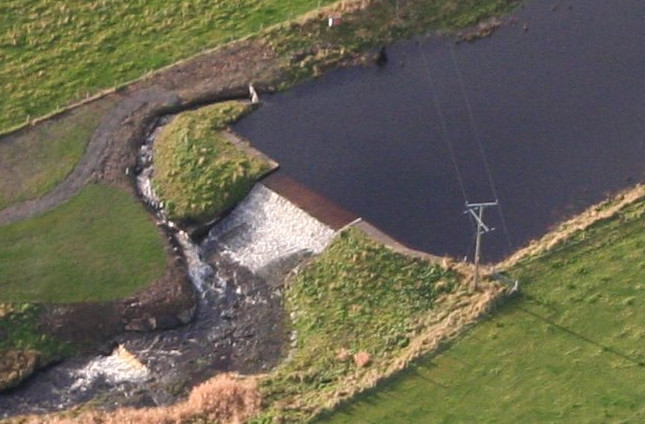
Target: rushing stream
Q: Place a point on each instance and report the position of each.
(238, 270)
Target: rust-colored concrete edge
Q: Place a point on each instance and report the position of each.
(313, 203)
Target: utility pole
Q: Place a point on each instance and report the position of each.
(477, 212)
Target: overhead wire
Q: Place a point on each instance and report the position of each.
(480, 145)
(444, 126)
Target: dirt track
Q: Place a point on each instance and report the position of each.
(219, 75)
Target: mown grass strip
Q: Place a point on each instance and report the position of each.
(101, 245)
(54, 53)
(357, 296)
(569, 350)
(198, 172)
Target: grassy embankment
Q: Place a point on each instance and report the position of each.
(199, 173)
(355, 310)
(23, 346)
(99, 246)
(570, 349)
(368, 24)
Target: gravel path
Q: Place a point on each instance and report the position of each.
(95, 154)
(219, 75)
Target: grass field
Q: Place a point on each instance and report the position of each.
(39, 158)
(52, 53)
(198, 172)
(101, 245)
(570, 350)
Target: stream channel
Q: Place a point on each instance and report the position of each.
(558, 99)
(237, 269)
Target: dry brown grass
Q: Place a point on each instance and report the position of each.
(16, 365)
(225, 399)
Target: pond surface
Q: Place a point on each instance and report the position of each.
(557, 98)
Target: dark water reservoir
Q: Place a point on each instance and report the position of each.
(559, 109)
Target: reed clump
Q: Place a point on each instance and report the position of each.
(224, 399)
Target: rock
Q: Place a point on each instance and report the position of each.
(381, 58)
(166, 322)
(187, 316)
(107, 348)
(138, 325)
(17, 365)
(362, 359)
(343, 355)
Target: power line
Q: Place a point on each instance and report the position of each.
(444, 126)
(480, 145)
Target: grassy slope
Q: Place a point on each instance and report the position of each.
(198, 172)
(357, 296)
(52, 53)
(383, 22)
(570, 350)
(101, 245)
(24, 347)
(34, 162)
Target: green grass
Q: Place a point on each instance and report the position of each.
(52, 52)
(571, 350)
(198, 172)
(101, 245)
(38, 158)
(358, 296)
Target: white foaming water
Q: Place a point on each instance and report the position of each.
(120, 367)
(265, 227)
(200, 273)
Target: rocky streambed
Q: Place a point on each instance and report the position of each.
(237, 270)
